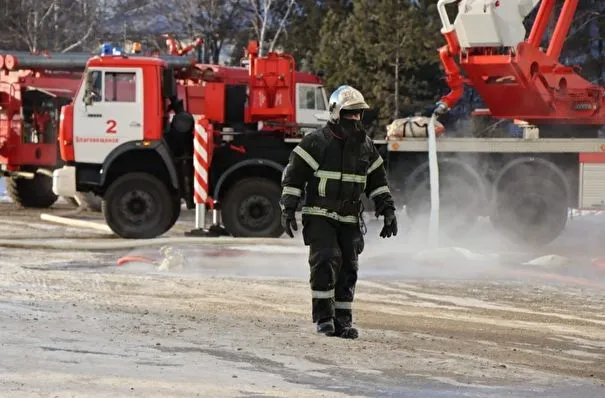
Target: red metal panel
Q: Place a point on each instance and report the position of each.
(214, 102)
(31, 154)
(152, 104)
(60, 85)
(593, 157)
(272, 87)
(66, 133)
(208, 99)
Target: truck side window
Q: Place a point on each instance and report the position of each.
(97, 85)
(311, 97)
(306, 97)
(120, 87)
(320, 103)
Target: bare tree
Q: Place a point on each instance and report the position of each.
(216, 21)
(265, 18)
(53, 25)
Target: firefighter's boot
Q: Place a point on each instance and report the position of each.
(348, 332)
(343, 326)
(326, 326)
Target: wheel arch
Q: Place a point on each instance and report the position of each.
(134, 156)
(257, 167)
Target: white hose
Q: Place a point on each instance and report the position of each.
(434, 180)
(76, 223)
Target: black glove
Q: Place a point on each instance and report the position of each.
(288, 221)
(390, 224)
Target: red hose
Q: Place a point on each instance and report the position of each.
(129, 259)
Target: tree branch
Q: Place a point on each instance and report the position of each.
(51, 7)
(281, 25)
(82, 40)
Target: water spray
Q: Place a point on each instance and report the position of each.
(434, 179)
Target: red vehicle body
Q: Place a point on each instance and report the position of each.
(30, 103)
(527, 185)
(34, 87)
(526, 82)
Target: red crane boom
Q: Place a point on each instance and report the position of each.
(517, 79)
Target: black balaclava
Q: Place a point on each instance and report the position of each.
(351, 128)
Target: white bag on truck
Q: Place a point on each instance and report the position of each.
(411, 127)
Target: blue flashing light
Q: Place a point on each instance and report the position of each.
(106, 49)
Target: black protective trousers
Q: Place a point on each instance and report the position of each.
(334, 248)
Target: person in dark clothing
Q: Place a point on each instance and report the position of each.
(334, 166)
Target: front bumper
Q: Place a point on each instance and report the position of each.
(64, 181)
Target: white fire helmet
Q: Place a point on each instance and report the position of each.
(345, 98)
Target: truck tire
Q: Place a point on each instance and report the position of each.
(34, 193)
(530, 210)
(462, 197)
(176, 211)
(138, 206)
(251, 209)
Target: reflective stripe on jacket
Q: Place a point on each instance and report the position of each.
(334, 173)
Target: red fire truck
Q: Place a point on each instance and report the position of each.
(128, 138)
(526, 186)
(33, 87)
(30, 103)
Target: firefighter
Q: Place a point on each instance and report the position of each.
(335, 165)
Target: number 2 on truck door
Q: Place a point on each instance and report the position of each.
(111, 127)
(113, 115)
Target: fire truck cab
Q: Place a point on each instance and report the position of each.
(128, 137)
(113, 140)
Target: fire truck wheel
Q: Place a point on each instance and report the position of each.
(530, 210)
(251, 209)
(34, 193)
(138, 206)
(176, 211)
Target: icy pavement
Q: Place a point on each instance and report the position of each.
(475, 318)
(87, 327)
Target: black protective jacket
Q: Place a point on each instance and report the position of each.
(334, 173)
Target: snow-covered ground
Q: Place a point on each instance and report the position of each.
(469, 319)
